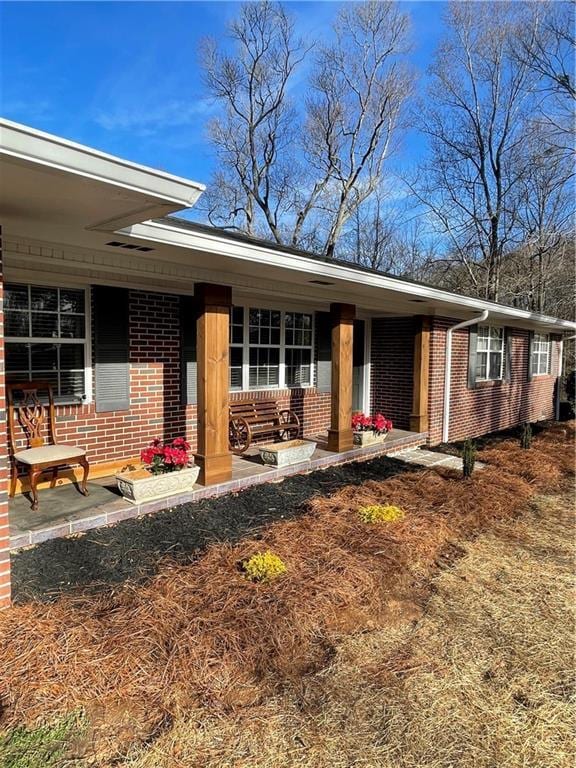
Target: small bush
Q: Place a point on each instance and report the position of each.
(526, 436)
(264, 566)
(468, 458)
(381, 513)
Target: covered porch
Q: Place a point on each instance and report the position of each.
(64, 512)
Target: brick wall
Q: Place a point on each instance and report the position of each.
(491, 406)
(155, 395)
(392, 363)
(4, 529)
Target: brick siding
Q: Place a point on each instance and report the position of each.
(491, 406)
(392, 363)
(155, 392)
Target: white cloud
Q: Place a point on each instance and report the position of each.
(149, 117)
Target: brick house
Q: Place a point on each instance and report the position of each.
(148, 324)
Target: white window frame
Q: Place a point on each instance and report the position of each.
(86, 341)
(541, 350)
(282, 385)
(489, 351)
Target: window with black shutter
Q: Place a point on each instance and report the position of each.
(111, 349)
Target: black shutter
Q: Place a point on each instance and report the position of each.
(324, 350)
(530, 371)
(472, 349)
(507, 355)
(188, 359)
(111, 348)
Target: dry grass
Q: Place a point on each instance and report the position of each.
(202, 642)
(482, 679)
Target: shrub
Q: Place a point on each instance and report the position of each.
(381, 513)
(468, 458)
(526, 436)
(264, 566)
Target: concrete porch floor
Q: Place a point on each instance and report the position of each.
(64, 511)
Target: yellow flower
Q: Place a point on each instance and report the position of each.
(264, 566)
(381, 513)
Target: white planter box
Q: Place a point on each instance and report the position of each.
(289, 452)
(140, 486)
(369, 438)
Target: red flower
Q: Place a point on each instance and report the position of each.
(160, 457)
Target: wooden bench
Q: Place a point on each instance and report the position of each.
(256, 418)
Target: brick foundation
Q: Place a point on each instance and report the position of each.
(491, 406)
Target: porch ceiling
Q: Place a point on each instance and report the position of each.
(51, 188)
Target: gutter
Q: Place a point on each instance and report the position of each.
(448, 369)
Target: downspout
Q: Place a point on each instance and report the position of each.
(448, 369)
(560, 372)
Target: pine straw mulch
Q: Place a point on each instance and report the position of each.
(481, 679)
(201, 636)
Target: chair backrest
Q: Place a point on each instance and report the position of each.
(35, 413)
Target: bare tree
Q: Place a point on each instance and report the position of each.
(477, 117)
(359, 87)
(546, 44)
(256, 126)
(301, 172)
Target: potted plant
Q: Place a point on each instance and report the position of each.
(168, 469)
(369, 430)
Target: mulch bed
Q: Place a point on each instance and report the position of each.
(133, 549)
(201, 636)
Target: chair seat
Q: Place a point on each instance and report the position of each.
(54, 453)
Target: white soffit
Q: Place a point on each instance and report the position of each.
(238, 254)
(45, 178)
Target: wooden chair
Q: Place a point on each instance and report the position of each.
(41, 454)
(257, 418)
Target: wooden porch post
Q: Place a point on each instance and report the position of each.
(212, 343)
(340, 437)
(419, 415)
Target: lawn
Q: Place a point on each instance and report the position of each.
(443, 637)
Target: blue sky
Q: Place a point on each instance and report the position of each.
(124, 77)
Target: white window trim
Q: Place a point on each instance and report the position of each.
(544, 338)
(502, 353)
(86, 341)
(282, 385)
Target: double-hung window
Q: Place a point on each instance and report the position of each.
(264, 327)
(45, 337)
(270, 348)
(298, 349)
(236, 347)
(540, 354)
(490, 353)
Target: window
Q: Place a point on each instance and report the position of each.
(298, 343)
(490, 354)
(236, 347)
(270, 348)
(45, 336)
(540, 354)
(264, 326)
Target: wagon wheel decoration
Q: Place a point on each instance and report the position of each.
(239, 435)
(289, 425)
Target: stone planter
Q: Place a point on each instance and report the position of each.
(289, 452)
(362, 439)
(140, 486)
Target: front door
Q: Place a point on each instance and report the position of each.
(358, 371)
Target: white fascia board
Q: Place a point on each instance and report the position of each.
(216, 243)
(31, 145)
